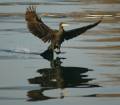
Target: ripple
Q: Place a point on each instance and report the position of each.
(95, 47)
(29, 3)
(19, 50)
(19, 87)
(109, 65)
(104, 95)
(9, 54)
(114, 39)
(21, 30)
(110, 17)
(11, 98)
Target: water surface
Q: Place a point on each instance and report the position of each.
(86, 73)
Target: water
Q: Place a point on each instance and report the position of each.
(90, 73)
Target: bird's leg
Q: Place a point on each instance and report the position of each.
(51, 49)
(58, 49)
(58, 52)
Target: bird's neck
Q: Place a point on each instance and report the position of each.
(61, 29)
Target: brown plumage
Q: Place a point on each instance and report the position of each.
(37, 27)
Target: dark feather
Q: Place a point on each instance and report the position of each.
(36, 26)
(47, 54)
(75, 32)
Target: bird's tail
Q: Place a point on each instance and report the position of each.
(48, 54)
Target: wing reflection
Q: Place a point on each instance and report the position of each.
(60, 77)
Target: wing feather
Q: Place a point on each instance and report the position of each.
(36, 26)
(75, 32)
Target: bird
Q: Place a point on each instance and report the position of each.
(53, 36)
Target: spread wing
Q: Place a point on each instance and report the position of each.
(36, 25)
(75, 32)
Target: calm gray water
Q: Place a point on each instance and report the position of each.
(89, 75)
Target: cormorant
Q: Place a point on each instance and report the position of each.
(38, 28)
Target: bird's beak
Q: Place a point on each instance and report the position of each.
(65, 24)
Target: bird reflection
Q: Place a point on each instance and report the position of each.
(59, 77)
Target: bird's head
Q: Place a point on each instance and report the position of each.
(63, 24)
